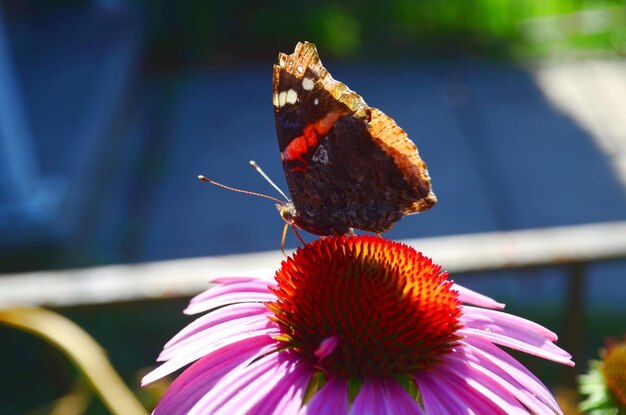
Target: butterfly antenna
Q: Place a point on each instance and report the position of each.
(234, 189)
(267, 178)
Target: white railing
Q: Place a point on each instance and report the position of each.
(562, 246)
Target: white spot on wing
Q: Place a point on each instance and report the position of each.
(307, 84)
(316, 101)
(281, 99)
(292, 96)
(300, 69)
(321, 154)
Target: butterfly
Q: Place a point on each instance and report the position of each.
(348, 165)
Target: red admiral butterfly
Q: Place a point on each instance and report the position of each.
(347, 165)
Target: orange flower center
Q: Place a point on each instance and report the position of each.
(389, 308)
(614, 371)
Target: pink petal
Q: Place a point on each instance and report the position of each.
(507, 367)
(244, 282)
(472, 297)
(445, 394)
(332, 399)
(215, 364)
(233, 290)
(512, 331)
(285, 397)
(183, 354)
(266, 275)
(435, 399)
(217, 333)
(327, 346)
(230, 313)
(490, 319)
(244, 389)
(400, 402)
(383, 397)
(289, 392)
(507, 396)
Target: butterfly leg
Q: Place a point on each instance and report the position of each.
(282, 240)
(295, 230)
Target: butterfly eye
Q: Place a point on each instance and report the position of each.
(287, 212)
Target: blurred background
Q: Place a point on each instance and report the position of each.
(110, 109)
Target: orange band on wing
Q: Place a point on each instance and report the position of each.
(299, 146)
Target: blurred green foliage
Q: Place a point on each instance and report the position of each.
(212, 32)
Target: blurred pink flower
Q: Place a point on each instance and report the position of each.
(353, 325)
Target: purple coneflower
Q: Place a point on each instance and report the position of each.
(353, 325)
(605, 383)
